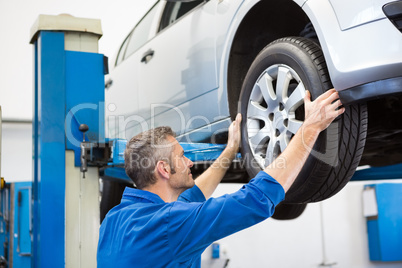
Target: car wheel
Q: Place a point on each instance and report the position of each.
(288, 211)
(272, 106)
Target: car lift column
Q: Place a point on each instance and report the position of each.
(68, 92)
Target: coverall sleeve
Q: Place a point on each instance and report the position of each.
(193, 194)
(192, 227)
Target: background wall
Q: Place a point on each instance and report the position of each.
(16, 152)
(16, 68)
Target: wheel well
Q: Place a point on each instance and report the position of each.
(384, 133)
(267, 21)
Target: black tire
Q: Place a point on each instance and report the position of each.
(112, 193)
(338, 150)
(288, 211)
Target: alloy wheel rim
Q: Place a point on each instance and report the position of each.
(275, 112)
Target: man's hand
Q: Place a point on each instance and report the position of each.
(209, 180)
(234, 135)
(320, 113)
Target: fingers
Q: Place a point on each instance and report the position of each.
(235, 133)
(336, 104)
(237, 123)
(341, 111)
(337, 108)
(238, 118)
(329, 97)
(332, 98)
(326, 94)
(307, 97)
(323, 110)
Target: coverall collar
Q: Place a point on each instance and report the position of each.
(147, 196)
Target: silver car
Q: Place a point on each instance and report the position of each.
(194, 64)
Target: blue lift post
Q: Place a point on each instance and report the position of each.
(68, 91)
(384, 228)
(15, 221)
(15, 224)
(4, 223)
(20, 250)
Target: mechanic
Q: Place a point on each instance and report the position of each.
(171, 219)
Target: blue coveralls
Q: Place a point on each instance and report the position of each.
(144, 231)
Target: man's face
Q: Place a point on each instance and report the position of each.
(182, 179)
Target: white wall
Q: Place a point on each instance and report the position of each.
(16, 68)
(16, 19)
(16, 153)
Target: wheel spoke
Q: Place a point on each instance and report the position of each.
(256, 111)
(260, 160)
(269, 158)
(259, 138)
(283, 141)
(267, 91)
(295, 99)
(294, 125)
(282, 83)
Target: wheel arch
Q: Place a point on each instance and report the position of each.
(265, 22)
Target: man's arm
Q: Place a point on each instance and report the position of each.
(318, 116)
(209, 180)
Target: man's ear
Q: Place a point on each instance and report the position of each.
(163, 169)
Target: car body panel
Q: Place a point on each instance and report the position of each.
(123, 85)
(190, 115)
(346, 51)
(357, 12)
(226, 16)
(122, 96)
(194, 52)
(224, 44)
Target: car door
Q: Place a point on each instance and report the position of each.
(121, 94)
(178, 80)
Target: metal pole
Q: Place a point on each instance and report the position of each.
(1, 126)
(1, 193)
(325, 262)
